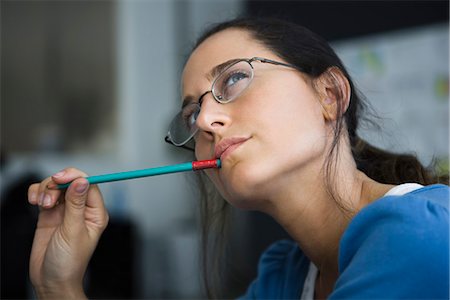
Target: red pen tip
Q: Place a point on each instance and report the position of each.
(205, 164)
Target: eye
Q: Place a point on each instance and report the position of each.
(234, 77)
(234, 83)
(189, 116)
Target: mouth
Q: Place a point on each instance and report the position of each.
(228, 145)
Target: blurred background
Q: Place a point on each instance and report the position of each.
(94, 84)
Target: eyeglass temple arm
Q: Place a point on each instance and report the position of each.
(266, 60)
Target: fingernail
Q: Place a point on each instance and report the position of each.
(81, 187)
(59, 174)
(41, 198)
(47, 200)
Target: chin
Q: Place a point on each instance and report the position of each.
(245, 187)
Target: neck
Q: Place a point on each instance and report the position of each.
(316, 217)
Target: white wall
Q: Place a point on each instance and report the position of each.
(404, 75)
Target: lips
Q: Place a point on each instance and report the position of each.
(227, 145)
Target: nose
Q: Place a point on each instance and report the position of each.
(213, 117)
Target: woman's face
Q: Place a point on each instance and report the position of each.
(270, 138)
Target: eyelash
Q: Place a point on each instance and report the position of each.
(233, 73)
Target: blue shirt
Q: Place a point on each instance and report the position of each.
(396, 247)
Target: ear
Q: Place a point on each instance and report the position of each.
(334, 93)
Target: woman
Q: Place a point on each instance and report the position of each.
(275, 104)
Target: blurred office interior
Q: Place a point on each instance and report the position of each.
(94, 84)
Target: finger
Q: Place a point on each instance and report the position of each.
(75, 203)
(47, 198)
(96, 207)
(67, 175)
(33, 191)
(94, 199)
(51, 198)
(50, 195)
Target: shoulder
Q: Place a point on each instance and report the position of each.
(408, 215)
(401, 246)
(282, 270)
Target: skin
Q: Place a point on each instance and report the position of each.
(69, 226)
(278, 170)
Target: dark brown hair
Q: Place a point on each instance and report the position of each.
(312, 54)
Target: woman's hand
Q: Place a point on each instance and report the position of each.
(69, 226)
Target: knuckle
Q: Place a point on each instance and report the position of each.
(70, 169)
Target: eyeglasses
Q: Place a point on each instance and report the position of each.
(227, 86)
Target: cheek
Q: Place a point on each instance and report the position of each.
(285, 114)
(297, 131)
(289, 134)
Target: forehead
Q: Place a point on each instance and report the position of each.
(219, 48)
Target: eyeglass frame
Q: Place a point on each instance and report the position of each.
(199, 101)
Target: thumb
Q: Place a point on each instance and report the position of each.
(75, 204)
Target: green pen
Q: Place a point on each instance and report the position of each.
(183, 167)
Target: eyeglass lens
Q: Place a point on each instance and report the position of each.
(232, 81)
(226, 87)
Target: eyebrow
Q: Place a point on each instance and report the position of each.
(219, 68)
(211, 75)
